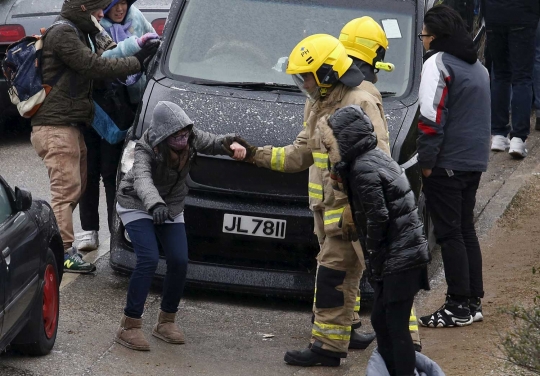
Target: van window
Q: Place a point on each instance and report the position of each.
(246, 40)
(5, 205)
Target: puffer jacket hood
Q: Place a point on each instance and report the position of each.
(79, 12)
(167, 119)
(353, 131)
(384, 206)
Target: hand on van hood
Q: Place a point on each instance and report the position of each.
(167, 119)
(79, 12)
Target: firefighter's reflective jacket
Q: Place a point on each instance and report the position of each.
(307, 151)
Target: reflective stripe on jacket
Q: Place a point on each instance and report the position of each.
(307, 151)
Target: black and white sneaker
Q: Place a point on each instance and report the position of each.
(449, 315)
(475, 306)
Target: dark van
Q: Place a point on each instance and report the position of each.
(222, 62)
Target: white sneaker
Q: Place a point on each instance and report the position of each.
(87, 241)
(499, 143)
(517, 148)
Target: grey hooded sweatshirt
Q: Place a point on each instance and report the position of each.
(148, 184)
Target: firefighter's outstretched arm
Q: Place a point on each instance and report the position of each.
(291, 158)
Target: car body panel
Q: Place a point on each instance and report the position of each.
(24, 239)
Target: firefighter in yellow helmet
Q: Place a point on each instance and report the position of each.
(366, 43)
(322, 69)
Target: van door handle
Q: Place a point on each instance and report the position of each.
(6, 252)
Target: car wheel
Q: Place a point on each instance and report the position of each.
(39, 334)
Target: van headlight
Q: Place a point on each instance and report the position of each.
(128, 157)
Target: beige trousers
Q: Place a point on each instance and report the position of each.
(63, 151)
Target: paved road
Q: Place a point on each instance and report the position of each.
(224, 332)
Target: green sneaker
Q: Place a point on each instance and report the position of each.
(73, 263)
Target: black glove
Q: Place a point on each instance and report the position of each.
(161, 213)
(250, 150)
(147, 52)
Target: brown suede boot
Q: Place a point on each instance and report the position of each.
(167, 330)
(130, 334)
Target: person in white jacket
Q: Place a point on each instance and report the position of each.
(119, 99)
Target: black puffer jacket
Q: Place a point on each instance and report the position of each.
(384, 206)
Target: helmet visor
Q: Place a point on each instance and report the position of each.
(307, 84)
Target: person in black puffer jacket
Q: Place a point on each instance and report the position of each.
(389, 228)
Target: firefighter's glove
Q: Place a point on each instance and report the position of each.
(250, 150)
(161, 213)
(335, 180)
(346, 223)
(147, 52)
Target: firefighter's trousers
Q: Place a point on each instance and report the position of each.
(337, 297)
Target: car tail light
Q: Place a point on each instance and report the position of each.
(128, 157)
(159, 24)
(11, 33)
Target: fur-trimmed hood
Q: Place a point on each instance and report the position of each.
(347, 134)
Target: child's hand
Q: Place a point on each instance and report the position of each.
(239, 151)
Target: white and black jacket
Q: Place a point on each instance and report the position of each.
(454, 125)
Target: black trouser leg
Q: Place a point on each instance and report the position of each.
(110, 159)
(391, 324)
(450, 201)
(89, 202)
(474, 254)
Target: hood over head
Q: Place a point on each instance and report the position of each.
(79, 12)
(114, 2)
(167, 119)
(353, 132)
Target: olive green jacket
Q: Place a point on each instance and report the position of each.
(70, 100)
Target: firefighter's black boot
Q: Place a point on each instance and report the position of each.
(360, 341)
(308, 358)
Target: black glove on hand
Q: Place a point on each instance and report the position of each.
(161, 213)
(147, 52)
(250, 150)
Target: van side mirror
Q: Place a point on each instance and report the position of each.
(23, 199)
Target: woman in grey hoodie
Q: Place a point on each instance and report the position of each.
(150, 204)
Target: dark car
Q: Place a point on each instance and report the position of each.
(222, 62)
(31, 255)
(19, 18)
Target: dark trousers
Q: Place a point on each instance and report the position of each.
(102, 160)
(512, 50)
(144, 236)
(450, 201)
(394, 341)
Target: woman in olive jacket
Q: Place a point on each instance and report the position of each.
(390, 231)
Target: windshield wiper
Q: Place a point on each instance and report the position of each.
(386, 94)
(265, 86)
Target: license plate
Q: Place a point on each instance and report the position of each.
(254, 226)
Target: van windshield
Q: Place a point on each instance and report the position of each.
(249, 40)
